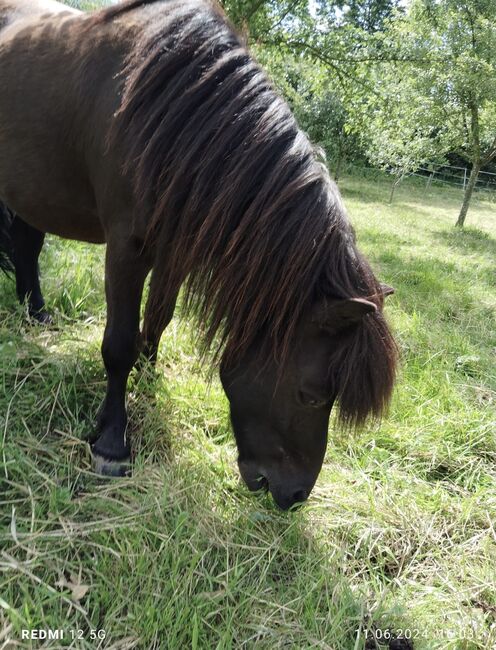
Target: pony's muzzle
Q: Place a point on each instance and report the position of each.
(285, 496)
(290, 497)
(254, 479)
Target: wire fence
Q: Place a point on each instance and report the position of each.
(456, 177)
(431, 175)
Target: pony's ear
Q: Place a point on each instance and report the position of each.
(386, 289)
(335, 315)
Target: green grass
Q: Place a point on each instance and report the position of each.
(399, 532)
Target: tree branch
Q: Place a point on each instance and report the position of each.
(291, 7)
(327, 55)
(253, 10)
(490, 155)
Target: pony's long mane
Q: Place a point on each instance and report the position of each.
(239, 206)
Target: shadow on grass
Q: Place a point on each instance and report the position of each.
(51, 392)
(376, 195)
(377, 239)
(432, 277)
(439, 296)
(180, 535)
(468, 241)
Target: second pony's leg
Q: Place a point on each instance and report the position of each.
(125, 273)
(27, 243)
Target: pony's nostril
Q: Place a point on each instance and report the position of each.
(290, 500)
(300, 496)
(263, 483)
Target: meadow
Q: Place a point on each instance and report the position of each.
(398, 538)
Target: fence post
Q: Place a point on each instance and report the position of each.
(464, 177)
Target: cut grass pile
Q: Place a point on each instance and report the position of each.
(398, 535)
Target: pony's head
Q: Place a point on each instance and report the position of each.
(342, 353)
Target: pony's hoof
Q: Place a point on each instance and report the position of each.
(107, 467)
(41, 317)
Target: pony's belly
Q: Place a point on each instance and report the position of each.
(48, 188)
(69, 221)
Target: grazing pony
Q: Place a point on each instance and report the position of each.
(149, 127)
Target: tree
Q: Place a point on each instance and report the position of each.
(414, 84)
(327, 121)
(318, 101)
(458, 40)
(369, 15)
(403, 129)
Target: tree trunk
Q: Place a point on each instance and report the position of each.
(338, 167)
(468, 193)
(395, 184)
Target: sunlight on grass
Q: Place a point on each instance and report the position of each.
(398, 534)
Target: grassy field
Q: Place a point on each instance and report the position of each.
(398, 535)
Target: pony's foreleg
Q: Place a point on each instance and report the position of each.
(27, 243)
(125, 273)
(159, 311)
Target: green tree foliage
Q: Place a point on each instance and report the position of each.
(404, 130)
(369, 15)
(459, 41)
(318, 101)
(433, 78)
(267, 20)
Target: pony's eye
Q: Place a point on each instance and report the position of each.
(310, 400)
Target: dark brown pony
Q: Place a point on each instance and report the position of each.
(149, 126)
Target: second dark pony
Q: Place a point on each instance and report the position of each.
(20, 247)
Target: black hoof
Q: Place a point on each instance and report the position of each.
(41, 317)
(107, 467)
